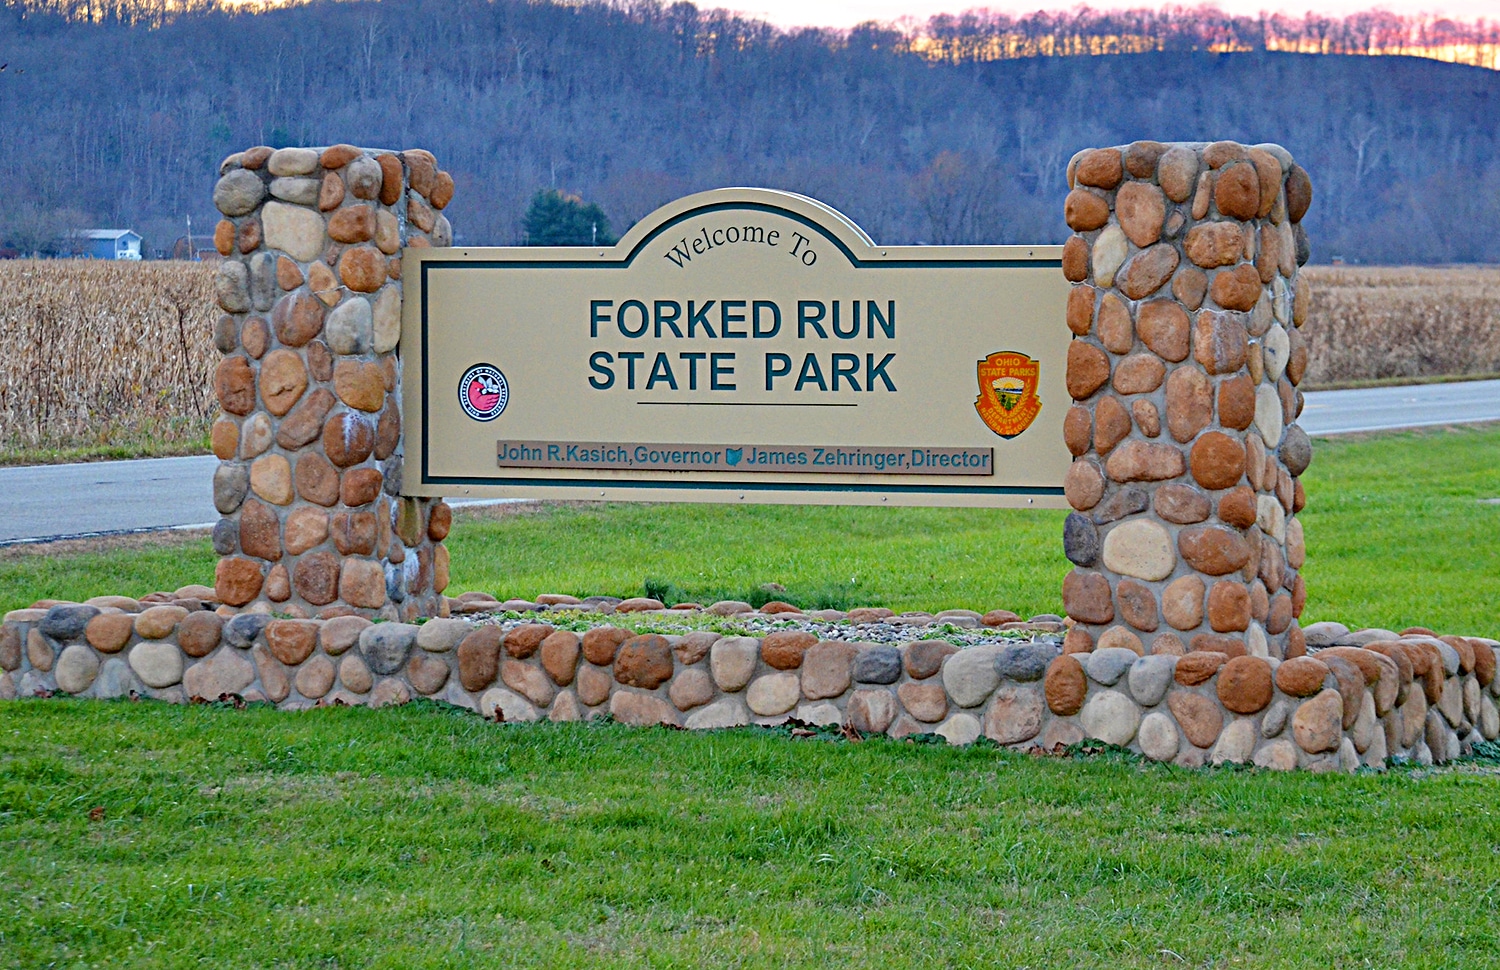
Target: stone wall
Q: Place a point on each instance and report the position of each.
(1184, 368)
(310, 436)
(1358, 698)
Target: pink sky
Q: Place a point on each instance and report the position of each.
(846, 13)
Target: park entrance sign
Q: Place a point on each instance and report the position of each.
(738, 345)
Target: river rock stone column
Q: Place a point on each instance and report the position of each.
(309, 441)
(1184, 368)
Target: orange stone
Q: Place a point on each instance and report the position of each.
(1236, 289)
(1141, 209)
(236, 580)
(1075, 259)
(1164, 327)
(1214, 244)
(1085, 211)
(1088, 370)
(1139, 374)
(283, 378)
(1148, 270)
(362, 268)
(1139, 461)
(1065, 686)
(1213, 549)
(360, 384)
(1086, 597)
(1217, 461)
(1101, 168)
(392, 178)
(234, 385)
(352, 224)
(1228, 606)
(1111, 424)
(1237, 191)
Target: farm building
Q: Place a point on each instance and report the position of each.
(111, 244)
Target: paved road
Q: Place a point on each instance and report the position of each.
(60, 501)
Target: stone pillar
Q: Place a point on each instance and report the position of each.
(309, 440)
(1184, 369)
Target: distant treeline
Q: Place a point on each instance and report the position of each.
(117, 112)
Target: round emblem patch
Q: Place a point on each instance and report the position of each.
(482, 392)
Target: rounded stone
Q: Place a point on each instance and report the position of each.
(827, 669)
(315, 678)
(1158, 737)
(271, 479)
(158, 622)
(523, 641)
(1111, 717)
(1244, 685)
(1023, 662)
(238, 193)
(923, 658)
(1083, 485)
(1140, 548)
(1141, 209)
(691, 688)
(1317, 725)
(1237, 191)
(1298, 193)
(1150, 677)
(1164, 327)
(1014, 715)
(76, 669)
(1198, 667)
(1080, 540)
(969, 675)
(1139, 374)
(1086, 598)
(1149, 270)
(386, 646)
(1236, 289)
(1106, 665)
(783, 650)
(1199, 718)
(283, 378)
(1177, 172)
(1085, 211)
(1065, 686)
(362, 269)
(350, 327)
(291, 641)
(1268, 415)
(158, 664)
(315, 577)
(732, 661)
(600, 644)
(1296, 450)
(773, 694)
(1138, 461)
(348, 439)
(1213, 550)
(645, 661)
(1214, 244)
(294, 230)
(1075, 260)
(1101, 167)
(199, 633)
(1228, 607)
(109, 632)
(1087, 369)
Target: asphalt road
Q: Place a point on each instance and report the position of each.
(67, 501)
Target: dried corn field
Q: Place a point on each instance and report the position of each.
(96, 354)
(99, 354)
(1382, 322)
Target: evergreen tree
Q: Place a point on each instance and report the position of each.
(555, 218)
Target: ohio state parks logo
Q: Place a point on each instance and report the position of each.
(482, 392)
(1008, 401)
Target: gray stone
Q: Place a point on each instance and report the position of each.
(1024, 662)
(1080, 540)
(1014, 714)
(67, 621)
(363, 177)
(301, 191)
(726, 712)
(1349, 758)
(878, 665)
(970, 676)
(1150, 677)
(442, 635)
(1111, 717)
(959, 729)
(1296, 449)
(114, 680)
(1276, 756)
(242, 631)
(226, 672)
(232, 286)
(822, 713)
(263, 288)
(1324, 634)
(76, 669)
(871, 711)
(1108, 665)
(157, 663)
(231, 485)
(732, 662)
(350, 327)
(1274, 721)
(1158, 737)
(1450, 658)
(386, 645)
(226, 537)
(238, 193)
(34, 683)
(1127, 501)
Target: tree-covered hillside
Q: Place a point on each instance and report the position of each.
(120, 123)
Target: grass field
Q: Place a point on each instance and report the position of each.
(150, 836)
(1398, 533)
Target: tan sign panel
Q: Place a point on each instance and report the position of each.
(741, 345)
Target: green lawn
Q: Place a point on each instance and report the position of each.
(1397, 536)
(423, 837)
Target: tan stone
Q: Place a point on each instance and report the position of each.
(355, 675)
(256, 436)
(1083, 485)
(1220, 343)
(1182, 504)
(283, 378)
(1189, 286)
(1199, 666)
(315, 678)
(1140, 548)
(1214, 244)
(323, 284)
(1109, 251)
(271, 479)
(1148, 271)
(1199, 718)
(293, 229)
(1182, 602)
(690, 689)
(316, 481)
(1139, 461)
(359, 384)
(158, 622)
(1177, 172)
(528, 681)
(1141, 209)
(1317, 724)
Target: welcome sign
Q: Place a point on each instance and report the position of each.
(737, 345)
